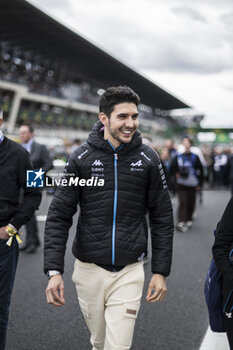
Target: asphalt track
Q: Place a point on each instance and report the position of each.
(178, 323)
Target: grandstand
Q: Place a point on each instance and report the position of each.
(52, 77)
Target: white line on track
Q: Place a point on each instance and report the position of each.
(214, 341)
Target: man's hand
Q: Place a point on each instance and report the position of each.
(55, 291)
(3, 233)
(157, 288)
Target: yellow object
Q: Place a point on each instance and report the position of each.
(11, 232)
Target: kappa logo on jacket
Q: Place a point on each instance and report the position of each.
(97, 168)
(97, 162)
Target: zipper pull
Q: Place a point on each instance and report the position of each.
(116, 156)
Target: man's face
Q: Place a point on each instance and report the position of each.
(169, 143)
(187, 144)
(25, 134)
(122, 124)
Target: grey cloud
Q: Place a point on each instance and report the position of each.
(53, 4)
(173, 62)
(227, 19)
(190, 12)
(168, 57)
(215, 3)
(132, 42)
(228, 88)
(171, 55)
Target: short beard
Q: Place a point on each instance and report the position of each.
(114, 135)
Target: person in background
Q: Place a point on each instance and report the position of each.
(187, 172)
(169, 144)
(223, 257)
(111, 238)
(196, 150)
(14, 162)
(76, 142)
(166, 163)
(40, 160)
(220, 167)
(207, 154)
(230, 171)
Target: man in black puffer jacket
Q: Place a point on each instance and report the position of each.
(111, 238)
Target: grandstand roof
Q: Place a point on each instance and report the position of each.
(24, 25)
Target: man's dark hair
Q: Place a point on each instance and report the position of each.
(31, 129)
(188, 138)
(115, 95)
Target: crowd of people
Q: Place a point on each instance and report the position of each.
(216, 161)
(43, 75)
(189, 168)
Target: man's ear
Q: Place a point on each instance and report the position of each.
(103, 118)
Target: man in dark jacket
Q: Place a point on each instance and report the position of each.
(14, 162)
(230, 172)
(111, 238)
(40, 159)
(223, 257)
(187, 174)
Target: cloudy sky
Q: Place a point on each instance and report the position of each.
(185, 47)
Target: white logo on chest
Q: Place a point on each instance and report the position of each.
(97, 162)
(138, 163)
(136, 166)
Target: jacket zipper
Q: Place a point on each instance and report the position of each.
(115, 202)
(114, 209)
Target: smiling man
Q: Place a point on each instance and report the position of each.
(122, 125)
(111, 238)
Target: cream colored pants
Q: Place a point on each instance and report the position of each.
(110, 302)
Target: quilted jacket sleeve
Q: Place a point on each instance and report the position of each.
(161, 220)
(59, 221)
(224, 243)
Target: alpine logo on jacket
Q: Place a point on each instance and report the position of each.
(97, 162)
(137, 166)
(138, 163)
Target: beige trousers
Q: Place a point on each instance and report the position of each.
(110, 302)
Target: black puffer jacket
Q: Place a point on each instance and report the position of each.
(112, 228)
(223, 246)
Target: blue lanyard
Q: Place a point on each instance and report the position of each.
(1, 139)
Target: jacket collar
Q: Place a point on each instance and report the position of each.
(97, 140)
(29, 145)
